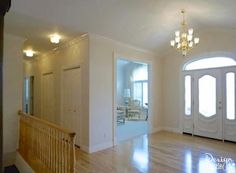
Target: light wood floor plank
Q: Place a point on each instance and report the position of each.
(162, 152)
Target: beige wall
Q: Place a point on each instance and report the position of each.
(212, 42)
(97, 84)
(69, 55)
(12, 95)
(102, 86)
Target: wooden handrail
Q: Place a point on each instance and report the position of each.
(64, 130)
(47, 143)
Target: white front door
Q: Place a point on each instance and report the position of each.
(208, 103)
(71, 101)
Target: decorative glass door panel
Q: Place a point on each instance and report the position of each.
(207, 95)
(188, 99)
(229, 120)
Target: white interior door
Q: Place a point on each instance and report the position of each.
(71, 101)
(229, 75)
(48, 97)
(208, 103)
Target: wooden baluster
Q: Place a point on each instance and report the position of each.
(54, 145)
(50, 148)
(60, 152)
(48, 143)
(72, 153)
(63, 155)
(66, 152)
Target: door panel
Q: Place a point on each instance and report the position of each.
(207, 100)
(229, 120)
(71, 101)
(48, 98)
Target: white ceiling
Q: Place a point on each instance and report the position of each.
(148, 24)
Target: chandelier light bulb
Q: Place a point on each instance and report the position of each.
(190, 44)
(172, 43)
(190, 31)
(178, 45)
(177, 33)
(190, 37)
(55, 38)
(177, 39)
(196, 40)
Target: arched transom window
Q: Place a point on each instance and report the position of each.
(210, 63)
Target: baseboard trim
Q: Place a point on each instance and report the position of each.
(171, 129)
(155, 130)
(9, 158)
(84, 148)
(100, 147)
(21, 164)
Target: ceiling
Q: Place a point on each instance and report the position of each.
(148, 24)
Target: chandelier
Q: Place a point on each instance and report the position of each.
(184, 39)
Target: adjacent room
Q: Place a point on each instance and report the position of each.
(119, 86)
(131, 99)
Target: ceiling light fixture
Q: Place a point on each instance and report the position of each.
(184, 39)
(55, 38)
(29, 53)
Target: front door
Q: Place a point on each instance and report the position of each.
(207, 103)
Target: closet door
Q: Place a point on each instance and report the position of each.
(71, 100)
(48, 97)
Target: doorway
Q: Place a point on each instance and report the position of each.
(132, 99)
(209, 98)
(28, 99)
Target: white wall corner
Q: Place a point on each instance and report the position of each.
(155, 130)
(100, 147)
(21, 165)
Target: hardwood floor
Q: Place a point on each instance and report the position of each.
(162, 152)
